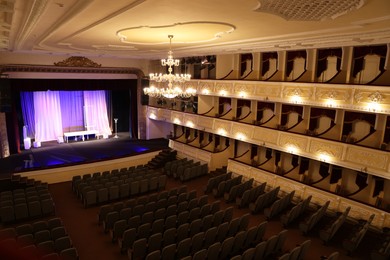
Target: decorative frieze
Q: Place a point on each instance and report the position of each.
(292, 143)
(265, 136)
(325, 148)
(324, 94)
(301, 92)
(242, 131)
(243, 89)
(205, 123)
(266, 92)
(367, 158)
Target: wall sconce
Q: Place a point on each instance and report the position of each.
(205, 91)
(152, 116)
(296, 99)
(292, 149)
(242, 94)
(221, 131)
(375, 99)
(240, 136)
(323, 157)
(222, 92)
(330, 102)
(176, 121)
(373, 106)
(190, 124)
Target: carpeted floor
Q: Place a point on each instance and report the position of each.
(92, 243)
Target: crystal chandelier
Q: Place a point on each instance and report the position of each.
(175, 81)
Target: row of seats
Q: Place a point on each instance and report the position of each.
(383, 251)
(213, 182)
(141, 215)
(250, 195)
(27, 211)
(143, 200)
(108, 176)
(170, 223)
(155, 209)
(264, 200)
(190, 172)
(161, 158)
(279, 206)
(237, 191)
(37, 239)
(93, 195)
(328, 233)
(225, 186)
(268, 249)
(218, 242)
(297, 252)
(295, 212)
(352, 243)
(309, 223)
(185, 169)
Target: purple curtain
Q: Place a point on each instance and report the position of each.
(48, 114)
(95, 110)
(72, 103)
(48, 121)
(27, 102)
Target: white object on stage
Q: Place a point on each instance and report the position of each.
(27, 143)
(80, 133)
(37, 144)
(60, 139)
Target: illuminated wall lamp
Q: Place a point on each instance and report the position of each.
(330, 102)
(205, 91)
(240, 136)
(152, 116)
(221, 131)
(324, 157)
(292, 149)
(222, 92)
(189, 124)
(176, 121)
(242, 94)
(296, 99)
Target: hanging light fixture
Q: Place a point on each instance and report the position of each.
(175, 81)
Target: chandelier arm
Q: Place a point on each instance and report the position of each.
(170, 91)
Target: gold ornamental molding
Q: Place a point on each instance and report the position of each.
(9, 68)
(77, 61)
(334, 94)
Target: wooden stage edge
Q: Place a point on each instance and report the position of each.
(64, 174)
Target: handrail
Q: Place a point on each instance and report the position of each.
(242, 118)
(224, 149)
(226, 75)
(177, 137)
(273, 74)
(203, 114)
(267, 120)
(333, 124)
(291, 127)
(241, 154)
(242, 78)
(372, 131)
(227, 112)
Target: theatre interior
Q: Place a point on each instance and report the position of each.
(156, 129)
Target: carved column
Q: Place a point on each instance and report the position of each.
(4, 147)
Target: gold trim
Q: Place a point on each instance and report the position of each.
(77, 61)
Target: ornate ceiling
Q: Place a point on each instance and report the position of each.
(140, 28)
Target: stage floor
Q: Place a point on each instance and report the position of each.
(53, 154)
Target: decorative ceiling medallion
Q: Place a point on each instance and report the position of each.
(313, 10)
(187, 32)
(77, 61)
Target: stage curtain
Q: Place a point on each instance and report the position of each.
(72, 103)
(48, 122)
(96, 111)
(27, 104)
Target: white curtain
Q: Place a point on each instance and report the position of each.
(47, 112)
(95, 112)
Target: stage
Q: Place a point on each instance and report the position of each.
(53, 155)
